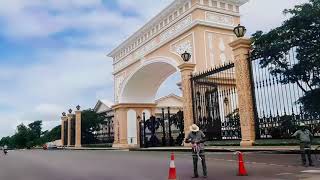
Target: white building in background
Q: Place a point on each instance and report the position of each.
(173, 101)
(106, 132)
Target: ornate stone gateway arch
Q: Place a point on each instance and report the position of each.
(204, 28)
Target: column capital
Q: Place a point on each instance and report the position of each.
(64, 118)
(69, 115)
(77, 111)
(241, 43)
(134, 105)
(186, 67)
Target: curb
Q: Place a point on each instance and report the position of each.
(270, 151)
(93, 149)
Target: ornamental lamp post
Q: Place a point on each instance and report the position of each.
(186, 56)
(240, 31)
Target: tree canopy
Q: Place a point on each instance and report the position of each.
(90, 124)
(31, 135)
(299, 33)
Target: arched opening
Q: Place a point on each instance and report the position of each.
(170, 86)
(143, 85)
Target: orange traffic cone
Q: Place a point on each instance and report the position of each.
(242, 169)
(172, 169)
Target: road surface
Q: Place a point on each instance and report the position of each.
(123, 165)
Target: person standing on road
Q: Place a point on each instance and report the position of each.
(305, 137)
(197, 139)
(5, 149)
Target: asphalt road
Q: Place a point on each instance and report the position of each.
(123, 165)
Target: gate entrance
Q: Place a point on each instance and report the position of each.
(166, 130)
(141, 63)
(215, 103)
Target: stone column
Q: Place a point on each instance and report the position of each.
(186, 70)
(120, 125)
(78, 128)
(69, 128)
(63, 138)
(241, 48)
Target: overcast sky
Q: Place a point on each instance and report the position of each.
(53, 52)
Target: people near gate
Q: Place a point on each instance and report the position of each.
(197, 139)
(305, 138)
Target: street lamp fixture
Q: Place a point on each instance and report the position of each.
(70, 111)
(240, 31)
(78, 107)
(186, 56)
(64, 114)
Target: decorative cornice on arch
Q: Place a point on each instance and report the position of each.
(170, 15)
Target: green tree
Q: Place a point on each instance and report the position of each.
(36, 128)
(22, 137)
(6, 141)
(52, 135)
(300, 32)
(31, 136)
(90, 123)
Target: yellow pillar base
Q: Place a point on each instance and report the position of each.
(247, 143)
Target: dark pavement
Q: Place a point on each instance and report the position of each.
(123, 165)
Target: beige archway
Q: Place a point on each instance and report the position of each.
(142, 85)
(204, 28)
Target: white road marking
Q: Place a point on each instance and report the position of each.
(283, 174)
(311, 171)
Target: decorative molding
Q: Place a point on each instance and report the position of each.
(118, 83)
(124, 63)
(211, 49)
(176, 28)
(222, 48)
(139, 54)
(220, 18)
(184, 46)
(185, 43)
(147, 48)
(153, 27)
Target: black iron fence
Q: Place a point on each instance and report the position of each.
(215, 103)
(164, 130)
(278, 112)
(73, 131)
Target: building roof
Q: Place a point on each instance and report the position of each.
(168, 96)
(105, 103)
